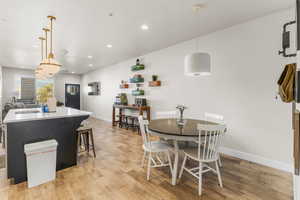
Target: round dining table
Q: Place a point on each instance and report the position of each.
(173, 129)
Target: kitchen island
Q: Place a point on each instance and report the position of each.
(31, 125)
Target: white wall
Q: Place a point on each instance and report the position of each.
(12, 81)
(12, 77)
(245, 68)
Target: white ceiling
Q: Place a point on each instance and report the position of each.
(84, 27)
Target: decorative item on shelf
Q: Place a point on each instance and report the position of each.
(138, 92)
(155, 82)
(124, 85)
(139, 85)
(94, 89)
(137, 79)
(121, 99)
(140, 101)
(181, 108)
(138, 66)
(154, 77)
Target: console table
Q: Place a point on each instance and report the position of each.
(141, 110)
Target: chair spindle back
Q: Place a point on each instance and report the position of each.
(210, 140)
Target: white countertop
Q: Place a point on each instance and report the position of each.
(61, 112)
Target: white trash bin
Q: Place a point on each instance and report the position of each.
(41, 162)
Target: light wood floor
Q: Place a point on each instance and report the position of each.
(116, 174)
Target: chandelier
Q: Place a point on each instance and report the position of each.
(48, 66)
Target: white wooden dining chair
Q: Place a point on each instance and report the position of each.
(207, 152)
(217, 118)
(152, 149)
(173, 114)
(166, 114)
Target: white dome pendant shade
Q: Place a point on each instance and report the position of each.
(197, 64)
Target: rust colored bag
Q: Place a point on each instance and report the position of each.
(286, 83)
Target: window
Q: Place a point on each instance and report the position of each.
(44, 89)
(27, 88)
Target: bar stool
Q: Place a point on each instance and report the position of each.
(133, 122)
(136, 124)
(124, 122)
(85, 136)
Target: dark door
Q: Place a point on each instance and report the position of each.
(72, 95)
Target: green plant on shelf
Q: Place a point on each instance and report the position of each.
(154, 77)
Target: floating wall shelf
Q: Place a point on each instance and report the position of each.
(154, 83)
(124, 86)
(137, 80)
(137, 68)
(138, 92)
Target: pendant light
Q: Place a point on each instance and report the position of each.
(197, 64)
(49, 65)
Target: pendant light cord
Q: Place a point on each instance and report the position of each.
(51, 55)
(46, 36)
(51, 28)
(42, 46)
(42, 50)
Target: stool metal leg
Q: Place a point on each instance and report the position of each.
(93, 144)
(88, 141)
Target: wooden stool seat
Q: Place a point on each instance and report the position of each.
(84, 135)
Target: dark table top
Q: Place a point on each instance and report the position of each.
(171, 127)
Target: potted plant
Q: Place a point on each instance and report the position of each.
(154, 77)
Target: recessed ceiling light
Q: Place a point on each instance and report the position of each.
(73, 72)
(198, 7)
(109, 46)
(145, 27)
(3, 20)
(90, 57)
(91, 65)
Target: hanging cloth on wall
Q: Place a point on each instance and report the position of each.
(286, 83)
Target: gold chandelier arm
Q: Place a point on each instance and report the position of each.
(42, 46)
(46, 36)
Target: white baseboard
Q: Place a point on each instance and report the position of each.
(100, 118)
(3, 175)
(257, 159)
(296, 187)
